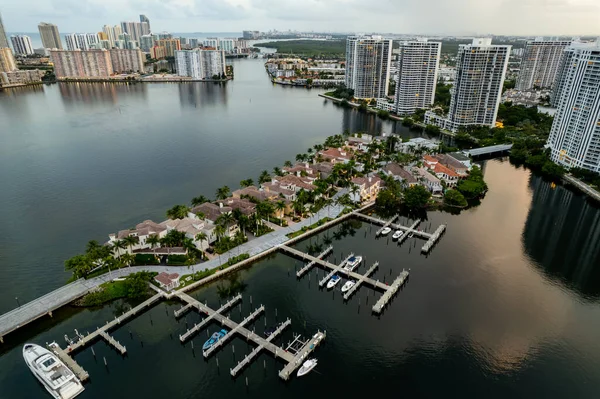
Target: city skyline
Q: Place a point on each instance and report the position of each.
(464, 18)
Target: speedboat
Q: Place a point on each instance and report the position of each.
(385, 231)
(333, 281)
(397, 234)
(214, 339)
(349, 284)
(57, 378)
(352, 263)
(307, 366)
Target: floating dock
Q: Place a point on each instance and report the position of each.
(380, 304)
(206, 310)
(325, 279)
(308, 266)
(69, 361)
(301, 355)
(433, 239)
(385, 224)
(351, 291)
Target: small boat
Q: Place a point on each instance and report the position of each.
(386, 231)
(214, 339)
(349, 284)
(352, 263)
(397, 234)
(57, 378)
(333, 281)
(307, 366)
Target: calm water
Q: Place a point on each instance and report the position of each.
(505, 305)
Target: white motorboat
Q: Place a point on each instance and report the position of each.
(307, 366)
(397, 234)
(57, 378)
(349, 284)
(333, 281)
(386, 231)
(352, 263)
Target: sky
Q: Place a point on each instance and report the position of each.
(451, 17)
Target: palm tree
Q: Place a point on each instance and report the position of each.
(277, 171)
(219, 231)
(355, 190)
(118, 245)
(328, 202)
(153, 241)
(199, 200)
(127, 259)
(131, 241)
(223, 192)
(243, 221)
(201, 237)
(264, 177)
(178, 212)
(280, 206)
(226, 220)
(247, 183)
(265, 208)
(300, 157)
(287, 164)
(310, 150)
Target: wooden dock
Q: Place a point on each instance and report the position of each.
(406, 232)
(116, 344)
(69, 361)
(325, 279)
(239, 326)
(250, 357)
(433, 239)
(180, 312)
(393, 288)
(206, 310)
(351, 291)
(302, 355)
(385, 224)
(309, 265)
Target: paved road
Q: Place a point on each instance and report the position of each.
(39, 307)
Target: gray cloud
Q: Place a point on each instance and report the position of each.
(543, 17)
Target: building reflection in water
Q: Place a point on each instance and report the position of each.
(99, 92)
(199, 94)
(17, 99)
(562, 234)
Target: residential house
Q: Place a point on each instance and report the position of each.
(369, 187)
(302, 170)
(245, 206)
(417, 144)
(427, 179)
(212, 212)
(446, 174)
(323, 169)
(191, 227)
(458, 157)
(142, 231)
(360, 143)
(168, 281)
(336, 155)
(255, 193)
(288, 186)
(399, 173)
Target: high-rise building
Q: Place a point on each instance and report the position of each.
(251, 34)
(22, 44)
(158, 52)
(144, 19)
(146, 42)
(50, 35)
(7, 61)
(136, 29)
(540, 63)
(81, 64)
(81, 41)
(126, 61)
(71, 42)
(211, 42)
(92, 39)
(574, 139)
(227, 44)
(109, 32)
(3, 37)
(417, 71)
(480, 72)
(170, 45)
(164, 35)
(200, 64)
(368, 60)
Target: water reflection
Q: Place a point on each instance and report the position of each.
(91, 93)
(202, 94)
(562, 234)
(15, 101)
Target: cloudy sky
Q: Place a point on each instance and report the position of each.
(460, 17)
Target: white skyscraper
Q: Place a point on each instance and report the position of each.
(540, 63)
(49, 35)
(480, 72)
(418, 63)
(71, 42)
(368, 60)
(575, 135)
(92, 39)
(22, 44)
(200, 64)
(110, 35)
(3, 37)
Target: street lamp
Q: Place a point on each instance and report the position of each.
(17, 299)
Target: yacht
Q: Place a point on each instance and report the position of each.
(214, 339)
(397, 234)
(349, 284)
(307, 366)
(57, 378)
(352, 263)
(385, 231)
(333, 281)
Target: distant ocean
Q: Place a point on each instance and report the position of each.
(36, 41)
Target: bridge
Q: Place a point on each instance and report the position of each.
(493, 149)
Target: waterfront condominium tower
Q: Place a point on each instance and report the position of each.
(200, 64)
(480, 72)
(81, 64)
(127, 61)
(49, 35)
(575, 135)
(3, 37)
(7, 61)
(368, 60)
(145, 28)
(22, 44)
(418, 63)
(540, 63)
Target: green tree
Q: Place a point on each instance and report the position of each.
(178, 212)
(153, 241)
(454, 198)
(264, 177)
(287, 164)
(277, 171)
(131, 241)
(117, 246)
(199, 200)
(127, 259)
(201, 237)
(223, 192)
(280, 207)
(416, 197)
(247, 183)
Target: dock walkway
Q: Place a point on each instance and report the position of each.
(394, 287)
(358, 282)
(433, 239)
(203, 309)
(69, 362)
(325, 279)
(302, 354)
(308, 266)
(386, 224)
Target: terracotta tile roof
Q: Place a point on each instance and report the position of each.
(252, 191)
(211, 211)
(366, 181)
(166, 278)
(397, 170)
(245, 206)
(439, 168)
(430, 159)
(336, 153)
(451, 162)
(276, 188)
(288, 180)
